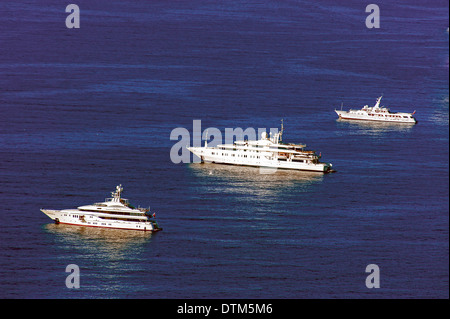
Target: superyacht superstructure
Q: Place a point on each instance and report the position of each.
(377, 113)
(267, 152)
(114, 212)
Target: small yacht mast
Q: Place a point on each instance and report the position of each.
(116, 194)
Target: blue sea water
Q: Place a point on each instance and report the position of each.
(83, 110)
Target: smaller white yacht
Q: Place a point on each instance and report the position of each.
(114, 212)
(377, 113)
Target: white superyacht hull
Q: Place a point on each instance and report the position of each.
(261, 160)
(93, 219)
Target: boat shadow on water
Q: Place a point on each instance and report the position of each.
(373, 128)
(93, 237)
(252, 183)
(252, 175)
(103, 254)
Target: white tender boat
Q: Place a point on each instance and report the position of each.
(267, 152)
(114, 212)
(377, 113)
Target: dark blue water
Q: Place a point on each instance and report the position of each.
(83, 110)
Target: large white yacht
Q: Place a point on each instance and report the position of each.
(114, 212)
(267, 152)
(377, 113)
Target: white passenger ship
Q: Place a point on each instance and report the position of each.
(114, 212)
(377, 113)
(267, 152)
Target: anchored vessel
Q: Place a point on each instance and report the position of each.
(114, 212)
(266, 152)
(377, 113)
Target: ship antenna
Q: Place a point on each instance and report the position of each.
(206, 139)
(282, 129)
(116, 194)
(377, 104)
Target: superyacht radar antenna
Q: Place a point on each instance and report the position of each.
(282, 129)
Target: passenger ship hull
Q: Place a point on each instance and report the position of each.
(345, 115)
(93, 219)
(206, 155)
